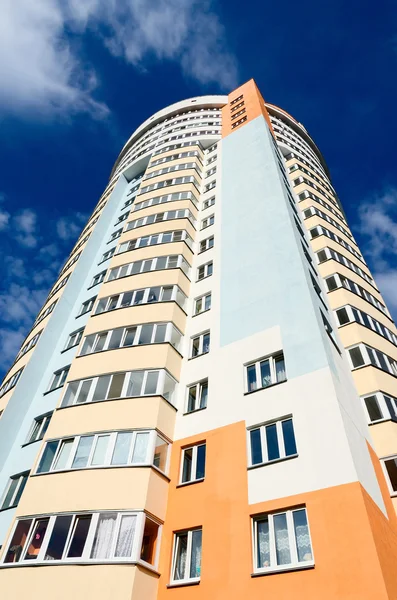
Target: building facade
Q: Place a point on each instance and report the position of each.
(205, 406)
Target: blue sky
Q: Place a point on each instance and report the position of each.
(79, 75)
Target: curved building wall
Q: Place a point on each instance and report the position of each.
(183, 418)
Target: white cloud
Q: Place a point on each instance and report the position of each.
(10, 342)
(20, 304)
(378, 227)
(25, 225)
(4, 219)
(40, 68)
(69, 228)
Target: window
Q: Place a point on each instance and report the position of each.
(11, 382)
(380, 407)
(166, 293)
(391, 470)
(330, 332)
(151, 264)
(124, 337)
(206, 244)
(59, 378)
(363, 355)
(207, 222)
(74, 339)
(107, 255)
(193, 464)
(202, 304)
(98, 278)
(209, 202)
(272, 441)
(13, 491)
(118, 448)
(113, 386)
(200, 345)
(205, 270)
(158, 238)
(39, 428)
(86, 307)
(115, 235)
(281, 541)
(186, 562)
(265, 372)
(197, 396)
(88, 537)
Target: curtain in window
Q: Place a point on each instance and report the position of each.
(126, 536)
(281, 537)
(263, 544)
(302, 536)
(180, 561)
(104, 535)
(195, 564)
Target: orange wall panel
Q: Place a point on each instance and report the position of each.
(343, 520)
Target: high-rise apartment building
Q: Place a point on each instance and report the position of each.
(206, 404)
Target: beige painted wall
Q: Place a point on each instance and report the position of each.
(152, 356)
(151, 252)
(144, 280)
(149, 412)
(370, 379)
(384, 436)
(73, 582)
(120, 488)
(145, 313)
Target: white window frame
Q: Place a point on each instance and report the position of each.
(273, 374)
(199, 394)
(383, 460)
(207, 222)
(41, 421)
(294, 564)
(206, 268)
(382, 405)
(170, 332)
(85, 557)
(199, 337)
(206, 244)
(62, 374)
(87, 306)
(264, 448)
(176, 295)
(193, 479)
(161, 380)
(107, 462)
(203, 299)
(208, 203)
(78, 334)
(188, 579)
(98, 278)
(22, 479)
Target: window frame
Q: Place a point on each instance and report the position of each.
(203, 298)
(199, 396)
(43, 421)
(109, 452)
(194, 478)
(382, 400)
(200, 337)
(383, 460)
(206, 267)
(294, 564)
(176, 536)
(258, 377)
(264, 445)
(88, 545)
(59, 376)
(70, 337)
(22, 479)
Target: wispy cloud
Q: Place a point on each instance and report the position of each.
(69, 227)
(40, 67)
(27, 271)
(378, 227)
